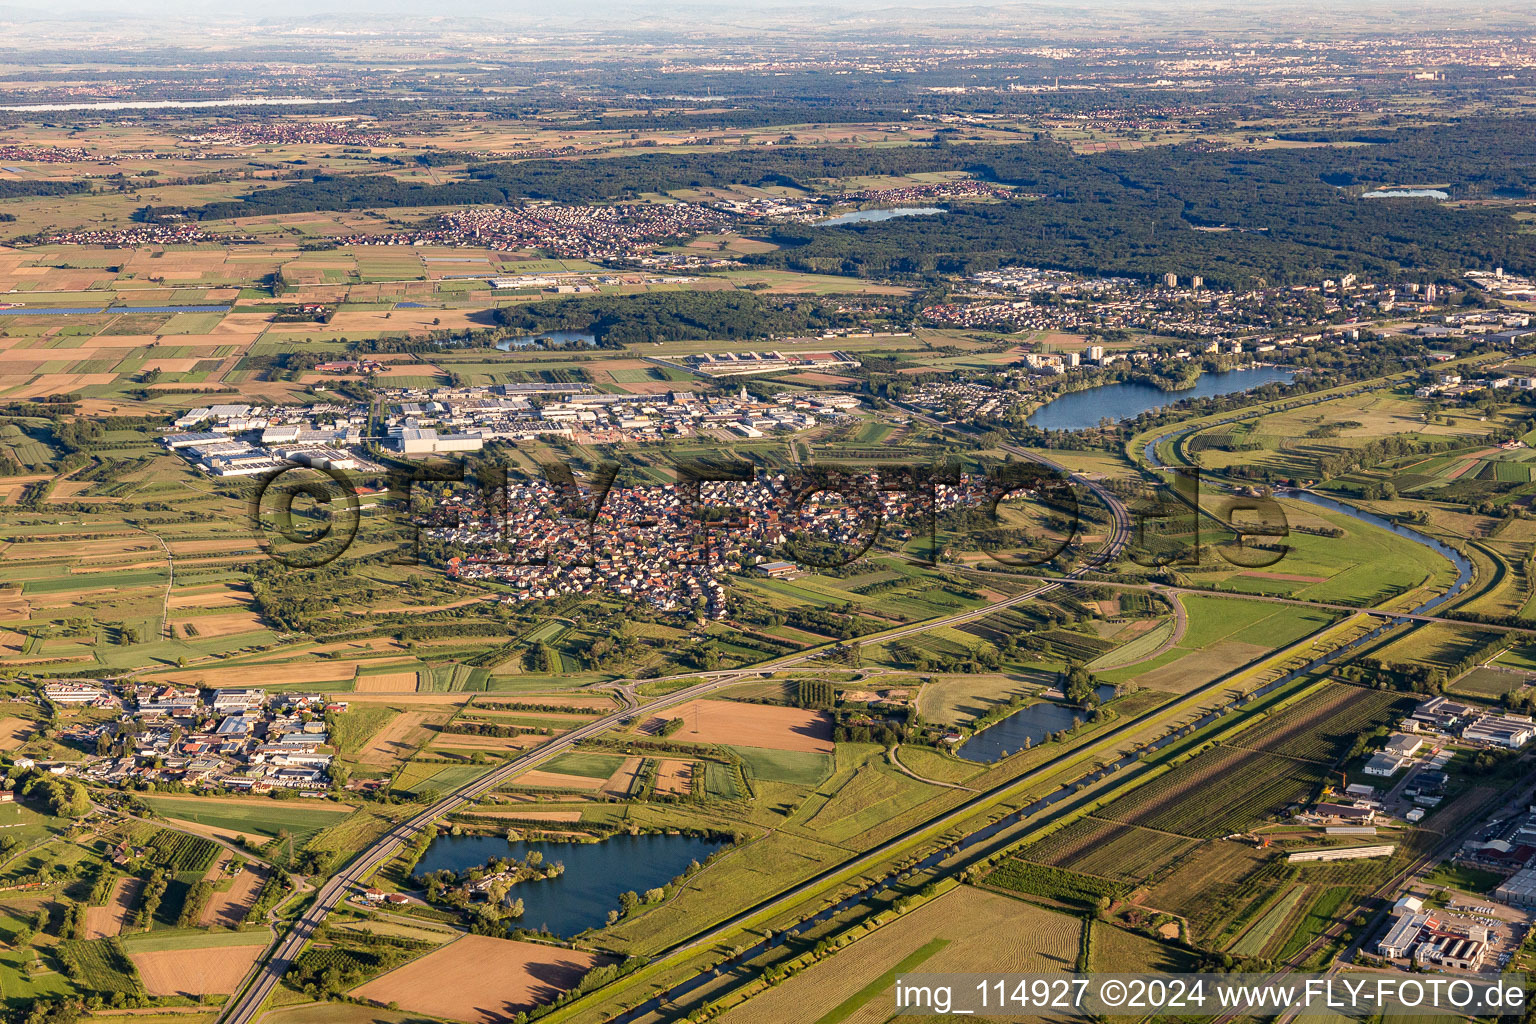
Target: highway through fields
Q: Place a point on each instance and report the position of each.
(247, 1004)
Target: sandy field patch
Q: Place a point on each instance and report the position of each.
(226, 835)
(81, 549)
(359, 321)
(14, 732)
(388, 682)
(954, 932)
(674, 777)
(83, 595)
(428, 697)
(368, 646)
(68, 490)
(12, 642)
(220, 545)
(595, 702)
(654, 387)
(398, 739)
(537, 779)
(195, 972)
(395, 609)
(410, 370)
(60, 383)
(622, 780)
(228, 908)
(102, 922)
(561, 816)
(207, 627)
(748, 725)
(222, 597)
(253, 801)
(95, 567)
(481, 980)
(265, 675)
(819, 378)
(575, 716)
(459, 741)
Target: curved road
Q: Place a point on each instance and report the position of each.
(247, 1005)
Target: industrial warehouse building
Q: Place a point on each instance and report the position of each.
(1519, 889)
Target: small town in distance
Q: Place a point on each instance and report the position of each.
(812, 514)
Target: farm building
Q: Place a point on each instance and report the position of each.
(778, 570)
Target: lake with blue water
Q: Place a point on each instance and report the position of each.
(550, 339)
(595, 873)
(1033, 723)
(1081, 410)
(1406, 193)
(866, 216)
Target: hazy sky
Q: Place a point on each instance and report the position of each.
(152, 20)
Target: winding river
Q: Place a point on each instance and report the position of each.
(1462, 564)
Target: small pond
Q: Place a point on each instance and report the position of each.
(595, 873)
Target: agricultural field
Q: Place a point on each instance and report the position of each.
(481, 980)
(749, 725)
(1217, 793)
(251, 817)
(957, 700)
(1108, 849)
(1221, 635)
(954, 932)
(195, 965)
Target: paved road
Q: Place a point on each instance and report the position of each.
(246, 1007)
